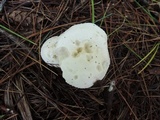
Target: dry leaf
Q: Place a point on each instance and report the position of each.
(24, 17)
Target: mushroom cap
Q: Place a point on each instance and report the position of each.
(83, 54)
(48, 51)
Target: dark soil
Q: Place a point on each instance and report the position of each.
(31, 90)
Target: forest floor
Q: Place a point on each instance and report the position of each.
(32, 90)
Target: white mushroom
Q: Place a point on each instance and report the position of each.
(82, 54)
(48, 51)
